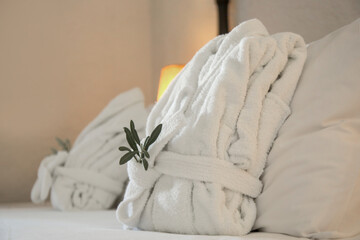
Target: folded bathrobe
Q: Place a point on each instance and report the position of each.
(89, 176)
(220, 116)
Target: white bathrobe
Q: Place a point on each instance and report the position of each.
(89, 177)
(220, 117)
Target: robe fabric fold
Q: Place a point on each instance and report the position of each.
(220, 116)
(89, 176)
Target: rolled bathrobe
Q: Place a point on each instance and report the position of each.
(89, 176)
(220, 116)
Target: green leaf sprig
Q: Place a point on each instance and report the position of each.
(138, 149)
(65, 145)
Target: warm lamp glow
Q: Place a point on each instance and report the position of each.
(168, 73)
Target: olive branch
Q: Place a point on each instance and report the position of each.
(65, 145)
(139, 149)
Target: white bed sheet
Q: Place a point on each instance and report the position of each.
(28, 221)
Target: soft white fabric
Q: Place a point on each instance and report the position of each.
(89, 176)
(312, 180)
(220, 116)
(28, 222)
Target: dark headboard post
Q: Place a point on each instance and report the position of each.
(223, 16)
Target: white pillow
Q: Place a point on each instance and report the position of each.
(312, 180)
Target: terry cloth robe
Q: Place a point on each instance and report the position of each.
(89, 176)
(220, 116)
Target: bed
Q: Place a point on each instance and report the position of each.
(29, 221)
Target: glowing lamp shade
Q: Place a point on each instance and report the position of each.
(168, 73)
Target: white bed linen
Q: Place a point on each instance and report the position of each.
(28, 221)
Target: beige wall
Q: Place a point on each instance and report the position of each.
(60, 63)
(180, 28)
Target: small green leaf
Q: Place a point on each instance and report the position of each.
(146, 153)
(61, 143)
(134, 132)
(54, 151)
(146, 164)
(130, 139)
(146, 142)
(68, 145)
(122, 148)
(154, 135)
(127, 157)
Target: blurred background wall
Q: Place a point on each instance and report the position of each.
(179, 29)
(62, 61)
(311, 19)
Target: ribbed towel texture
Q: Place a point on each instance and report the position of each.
(89, 176)
(220, 116)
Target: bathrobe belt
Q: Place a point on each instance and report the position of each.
(90, 177)
(53, 167)
(200, 168)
